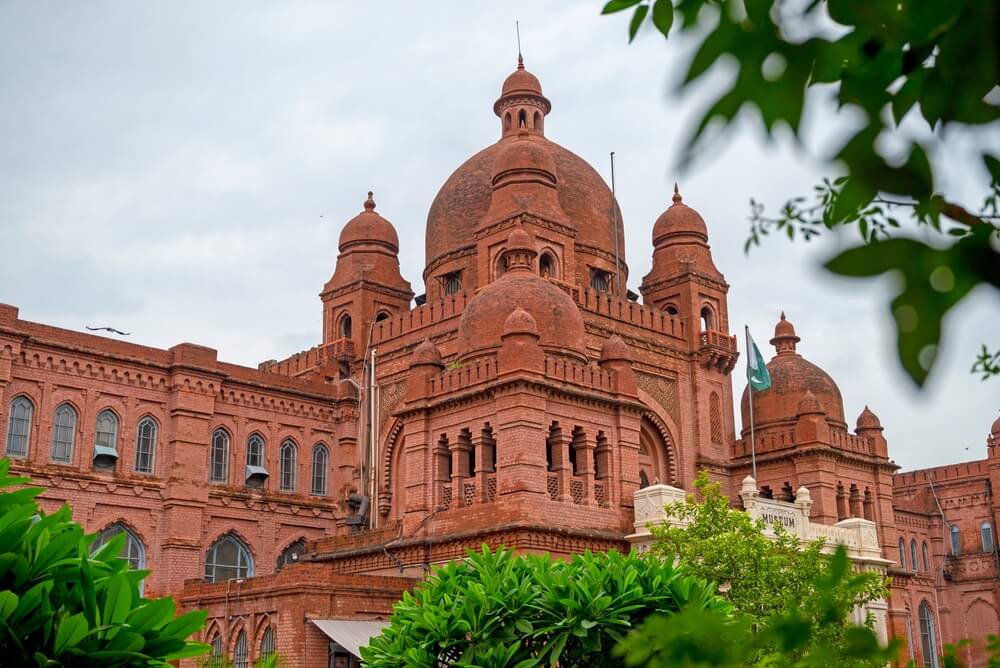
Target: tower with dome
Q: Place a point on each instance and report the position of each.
(525, 398)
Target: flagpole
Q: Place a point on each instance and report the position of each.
(753, 443)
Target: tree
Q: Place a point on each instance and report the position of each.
(760, 576)
(796, 636)
(498, 610)
(918, 75)
(60, 605)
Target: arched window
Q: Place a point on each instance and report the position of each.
(643, 480)
(927, 562)
(706, 319)
(986, 533)
(134, 552)
(218, 470)
(228, 559)
(320, 463)
(600, 281)
(267, 645)
(291, 554)
(345, 326)
(241, 653)
(382, 315)
(507, 121)
(928, 641)
(522, 119)
(956, 540)
(547, 266)
(671, 310)
(255, 450)
(537, 121)
(145, 445)
(107, 430)
(902, 553)
(63, 433)
(914, 564)
(452, 283)
(216, 643)
(288, 462)
(19, 427)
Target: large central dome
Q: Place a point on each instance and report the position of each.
(465, 197)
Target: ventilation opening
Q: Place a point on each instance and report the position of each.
(600, 281)
(452, 283)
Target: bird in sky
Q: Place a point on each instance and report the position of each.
(107, 329)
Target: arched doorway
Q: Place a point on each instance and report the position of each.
(655, 462)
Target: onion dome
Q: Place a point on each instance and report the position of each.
(426, 353)
(615, 349)
(868, 420)
(679, 221)
(792, 378)
(520, 322)
(556, 316)
(369, 228)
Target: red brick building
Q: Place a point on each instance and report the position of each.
(521, 400)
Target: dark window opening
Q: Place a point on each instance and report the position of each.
(452, 283)
(671, 310)
(382, 315)
(547, 266)
(600, 281)
(345, 327)
(522, 119)
(706, 319)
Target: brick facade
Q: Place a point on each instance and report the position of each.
(522, 401)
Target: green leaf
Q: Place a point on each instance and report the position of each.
(663, 16)
(118, 601)
(637, 18)
(618, 5)
(71, 631)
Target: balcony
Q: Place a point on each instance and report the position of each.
(717, 350)
(338, 349)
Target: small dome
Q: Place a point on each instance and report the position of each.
(868, 420)
(521, 82)
(519, 240)
(369, 227)
(995, 429)
(523, 155)
(520, 322)
(809, 405)
(615, 349)
(426, 353)
(784, 330)
(679, 219)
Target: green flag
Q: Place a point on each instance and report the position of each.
(757, 374)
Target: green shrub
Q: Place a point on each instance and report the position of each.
(495, 610)
(60, 605)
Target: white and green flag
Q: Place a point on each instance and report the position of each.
(757, 374)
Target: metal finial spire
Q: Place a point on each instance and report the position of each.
(520, 58)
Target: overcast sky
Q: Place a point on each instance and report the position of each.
(181, 171)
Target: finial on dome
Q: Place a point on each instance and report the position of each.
(677, 194)
(520, 62)
(370, 202)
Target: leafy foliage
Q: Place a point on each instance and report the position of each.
(497, 610)
(796, 636)
(62, 606)
(914, 72)
(761, 575)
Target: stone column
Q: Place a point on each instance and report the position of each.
(560, 444)
(585, 445)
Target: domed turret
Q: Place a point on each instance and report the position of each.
(615, 349)
(867, 420)
(521, 105)
(793, 379)
(369, 228)
(679, 221)
(556, 316)
(426, 353)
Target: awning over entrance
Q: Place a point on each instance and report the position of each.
(350, 634)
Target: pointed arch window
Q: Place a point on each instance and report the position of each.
(986, 534)
(706, 318)
(928, 641)
(291, 554)
(227, 559)
(902, 554)
(267, 645)
(345, 328)
(216, 643)
(241, 652)
(956, 540)
(288, 463)
(145, 445)
(19, 427)
(914, 564)
(255, 450)
(63, 434)
(547, 266)
(107, 430)
(134, 552)
(218, 469)
(927, 562)
(320, 465)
